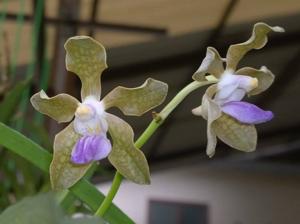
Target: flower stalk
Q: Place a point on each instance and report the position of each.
(157, 121)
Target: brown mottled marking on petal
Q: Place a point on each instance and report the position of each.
(235, 134)
(139, 100)
(124, 156)
(60, 107)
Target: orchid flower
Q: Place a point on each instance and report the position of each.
(228, 117)
(85, 139)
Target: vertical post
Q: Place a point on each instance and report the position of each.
(41, 43)
(68, 9)
(61, 81)
(94, 11)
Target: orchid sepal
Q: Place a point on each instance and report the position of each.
(124, 156)
(60, 107)
(237, 135)
(212, 64)
(264, 76)
(64, 173)
(257, 41)
(87, 59)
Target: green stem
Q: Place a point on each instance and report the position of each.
(110, 196)
(150, 130)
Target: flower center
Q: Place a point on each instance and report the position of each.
(84, 112)
(90, 118)
(233, 87)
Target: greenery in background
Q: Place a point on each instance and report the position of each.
(18, 177)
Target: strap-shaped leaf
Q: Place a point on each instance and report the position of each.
(86, 58)
(235, 134)
(63, 173)
(265, 78)
(212, 64)
(125, 157)
(137, 101)
(60, 107)
(257, 41)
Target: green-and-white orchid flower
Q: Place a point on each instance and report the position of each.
(85, 140)
(229, 118)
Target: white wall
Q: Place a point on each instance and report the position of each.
(233, 196)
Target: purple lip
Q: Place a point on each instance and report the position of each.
(246, 112)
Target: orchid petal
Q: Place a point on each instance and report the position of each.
(235, 134)
(210, 111)
(86, 58)
(212, 64)
(137, 101)
(124, 156)
(198, 111)
(64, 173)
(90, 148)
(257, 41)
(246, 112)
(60, 107)
(264, 76)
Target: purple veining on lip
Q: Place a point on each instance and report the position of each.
(246, 112)
(90, 148)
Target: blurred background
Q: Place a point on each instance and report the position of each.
(167, 40)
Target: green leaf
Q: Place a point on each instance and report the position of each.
(35, 210)
(139, 100)
(240, 136)
(60, 108)
(12, 100)
(124, 156)
(41, 209)
(84, 190)
(90, 220)
(211, 64)
(257, 41)
(264, 76)
(64, 173)
(87, 58)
